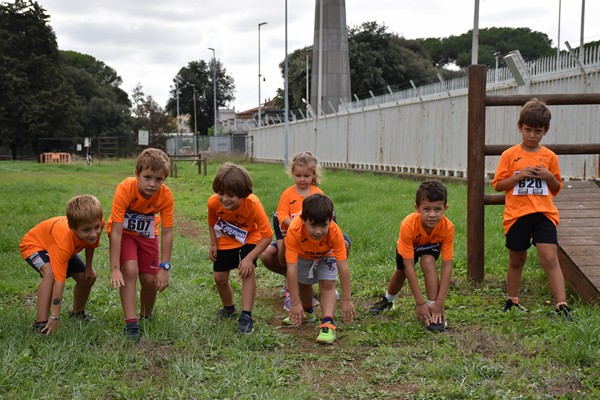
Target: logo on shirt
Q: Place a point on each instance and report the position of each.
(517, 159)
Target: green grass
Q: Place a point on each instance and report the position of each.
(187, 353)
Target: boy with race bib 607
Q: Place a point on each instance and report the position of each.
(141, 205)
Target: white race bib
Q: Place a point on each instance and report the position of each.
(142, 224)
(223, 228)
(532, 185)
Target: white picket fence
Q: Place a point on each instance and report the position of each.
(424, 131)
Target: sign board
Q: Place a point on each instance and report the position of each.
(86, 142)
(143, 137)
(79, 146)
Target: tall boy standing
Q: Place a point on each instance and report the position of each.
(51, 248)
(424, 234)
(141, 204)
(530, 175)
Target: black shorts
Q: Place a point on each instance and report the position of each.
(531, 229)
(38, 259)
(428, 249)
(230, 259)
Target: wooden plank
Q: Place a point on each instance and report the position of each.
(582, 205)
(584, 287)
(579, 222)
(578, 214)
(564, 240)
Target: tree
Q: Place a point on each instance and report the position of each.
(35, 98)
(198, 76)
(103, 108)
(493, 42)
(377, 59)
(147, 114)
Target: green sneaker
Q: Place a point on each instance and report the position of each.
(308, 318)
(326, 333)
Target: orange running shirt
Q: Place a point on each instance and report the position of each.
(290, 203)
(532, 194)
(248, 224)
(298, 243)
(54, 236)
(140, 216)
(412, 236)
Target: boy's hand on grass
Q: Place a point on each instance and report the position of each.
(161, 279)
(296, 313)
(348, 312)
(423, 313)
(437, 312)
(51, 326)
(116, 279)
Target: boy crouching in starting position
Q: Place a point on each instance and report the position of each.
(424, 235)
(315, 253)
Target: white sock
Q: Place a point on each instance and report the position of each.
(390, 297)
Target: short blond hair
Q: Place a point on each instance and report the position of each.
(308, 160)
(83, 209)
(153, 159)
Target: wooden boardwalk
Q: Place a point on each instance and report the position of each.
(579, 237)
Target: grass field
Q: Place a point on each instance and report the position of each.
(186, 353)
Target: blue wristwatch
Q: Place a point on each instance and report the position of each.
(166, 266)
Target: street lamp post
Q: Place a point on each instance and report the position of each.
(178, 124)
(259, 76)
(214, 90)
(195, 124)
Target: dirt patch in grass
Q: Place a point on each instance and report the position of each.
(192, 229)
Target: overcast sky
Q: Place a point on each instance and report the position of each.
(149, 41)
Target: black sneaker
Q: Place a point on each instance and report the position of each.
(381, 306)
(132, 331)
(245, 324)
(436, 327)
(225, 313)
(563, 311)
(508, 305)
(81, 315)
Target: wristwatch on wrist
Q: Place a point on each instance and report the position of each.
(166, 265)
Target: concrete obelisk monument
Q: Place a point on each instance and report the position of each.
(330, 63)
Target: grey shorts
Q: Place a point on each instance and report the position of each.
(311, 272)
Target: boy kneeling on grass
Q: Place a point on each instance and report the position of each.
(316, 253)
(51, 248)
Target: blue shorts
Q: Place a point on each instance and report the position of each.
(428, 249)
(230, 259)
(311, 272)
(38, 259)
(531, 229)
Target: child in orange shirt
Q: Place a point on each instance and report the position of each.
(530, 175)
(306, 171)
(316, 253)
(141, 204)
(52, 248)
(239, 232)
(424, 234)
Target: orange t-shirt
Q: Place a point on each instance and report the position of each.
(248, 224)
(298, 243)
(412, 235)
(54, 236)
(290, 203)
(531, 195)
(140, 216)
